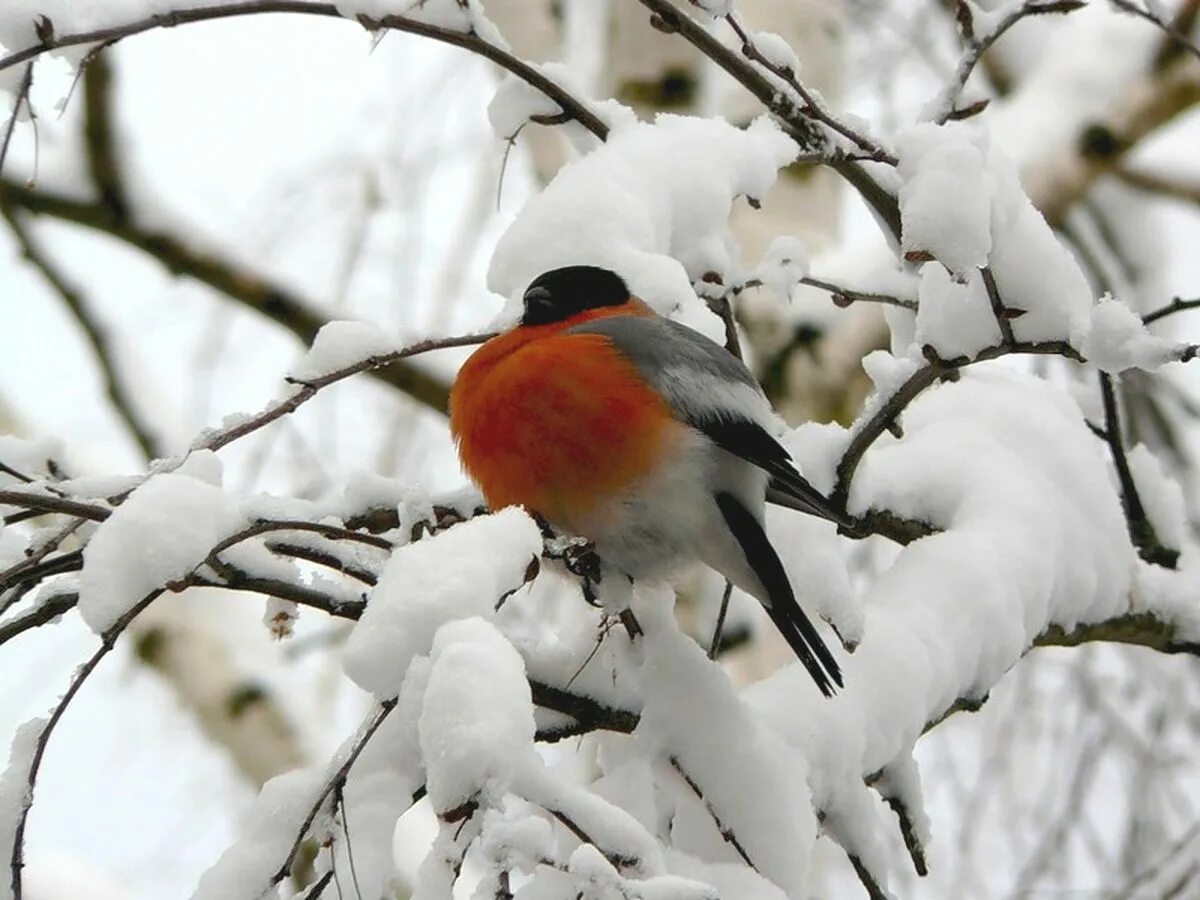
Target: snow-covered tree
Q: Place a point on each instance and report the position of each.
(259, 640)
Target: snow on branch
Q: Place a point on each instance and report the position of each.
(469, 31)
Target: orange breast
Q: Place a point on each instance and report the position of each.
(558, 423)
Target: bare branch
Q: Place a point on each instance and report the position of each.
(588, 714)
(978, 45)
(812, 107)
(22, 97)
(468, 40)
(797, 122)
(319, 886)
(1056, 184)
(308, 389)
(107, 642)
(1141, 529)
(999, 310)
(727, 834)
(889, 412)
(98, 133)
(1177, 37)
(335, 782)
(844, 296)
(323, 558)
(249, 289)
(1178, 304)
(44, 613)
(94, 333)
(874, 890)
(1154, 183)
(21, 570)
(51, 504)
(1136, 629)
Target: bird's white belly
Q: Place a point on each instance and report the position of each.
(671, 518)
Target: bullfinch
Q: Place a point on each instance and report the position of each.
(634, 431)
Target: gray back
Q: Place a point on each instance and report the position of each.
(698, 378)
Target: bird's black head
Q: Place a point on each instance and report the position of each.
(562, 293)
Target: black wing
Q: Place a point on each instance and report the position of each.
(701, 380)
(787, 487)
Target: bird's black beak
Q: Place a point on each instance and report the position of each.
(539, 306)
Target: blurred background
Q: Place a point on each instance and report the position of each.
(185, 214)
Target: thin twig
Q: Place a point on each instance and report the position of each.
(1181, 40)
(1141, 529)
(812, 107)
(714, 646)
(1002, 313)
(844, 296)
(335, 782)
(319, 886)
(1176, 305)
(122, 400)
(1155, 183)
(889, 411)
(14, 473)
(324, 558)
(308, 388)
(100, 139)
(107, 642)
(797, 122)
(35, 554)
(869, 882)
(272, 300)
(341, 804)
(727, 834)
(908, 831)
(977, 45)
(468, 40)
(45, 612)
(22, 97)
(43, 569)
(51, 504)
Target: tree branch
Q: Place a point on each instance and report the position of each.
(335, 782)
(103, 159)
(1163, 186)
(978, 45)
(797, 121)
(889, 412)
(247, 288)
(727, 834)
(51, 504)
(467, 40)
(1140, 629)
(1141, 529)
(22, 97)
(107, 642)
(1056, 185)
(1178, 304)
(1177, 37)
(45, 612)
(812, 107)
(307, 389)
(93, 332)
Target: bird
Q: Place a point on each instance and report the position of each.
(627, 428)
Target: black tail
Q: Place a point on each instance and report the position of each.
(783, 609)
